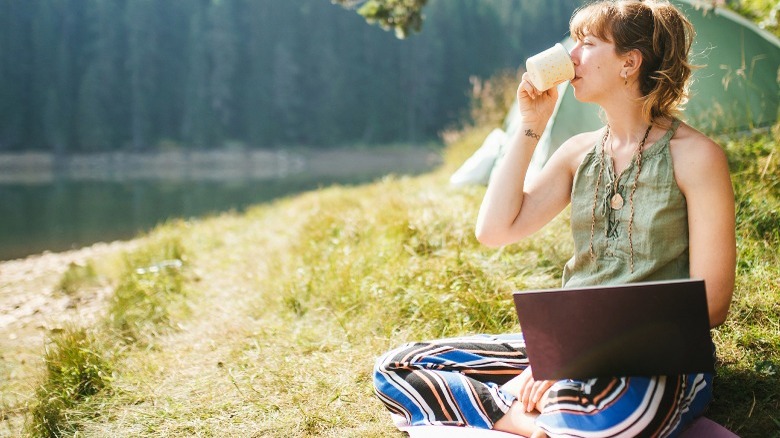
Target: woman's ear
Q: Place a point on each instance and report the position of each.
(632, 62)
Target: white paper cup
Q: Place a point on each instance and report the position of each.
(549, 68)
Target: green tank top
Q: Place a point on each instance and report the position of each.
(660, 228)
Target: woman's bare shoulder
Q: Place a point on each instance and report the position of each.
(689, 143)
(696, 156)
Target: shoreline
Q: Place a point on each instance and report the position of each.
(212, 165)
(25, 171)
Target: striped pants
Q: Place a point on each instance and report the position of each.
(457, 382)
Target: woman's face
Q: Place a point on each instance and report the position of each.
(597, 69)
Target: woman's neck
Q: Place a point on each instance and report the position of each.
(626, 125)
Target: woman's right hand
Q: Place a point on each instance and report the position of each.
(536, 107)
(530, 392)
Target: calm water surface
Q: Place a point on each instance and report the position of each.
(63, 214)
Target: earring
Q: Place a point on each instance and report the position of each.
(625, 78)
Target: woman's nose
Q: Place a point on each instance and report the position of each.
(575, 54)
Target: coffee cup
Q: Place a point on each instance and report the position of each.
(550, 68)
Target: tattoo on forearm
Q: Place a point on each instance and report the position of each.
(530, 133)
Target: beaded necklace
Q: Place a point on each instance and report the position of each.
(616, 199)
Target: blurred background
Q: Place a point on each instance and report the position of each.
(116, 115)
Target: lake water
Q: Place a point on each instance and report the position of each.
(61, 212)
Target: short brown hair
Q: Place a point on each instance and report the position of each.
(660, 32)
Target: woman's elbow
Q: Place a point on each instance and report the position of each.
(716, 320)
(488, 238)
(494, 237)
(718, 317)
(719, 312)
(719, 298)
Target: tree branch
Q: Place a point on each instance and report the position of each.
(402, 16)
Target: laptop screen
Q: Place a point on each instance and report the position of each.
(639, 329)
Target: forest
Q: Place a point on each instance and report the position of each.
(143, 75)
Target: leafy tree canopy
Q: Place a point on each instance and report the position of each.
(402, 16)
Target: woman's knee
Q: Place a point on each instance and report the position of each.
(394, 374)
(393, 359)
(390, 364)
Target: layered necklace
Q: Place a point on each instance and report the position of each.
(616, 201)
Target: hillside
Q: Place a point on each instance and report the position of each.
(267, 323)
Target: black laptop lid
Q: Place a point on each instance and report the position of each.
(639, 329)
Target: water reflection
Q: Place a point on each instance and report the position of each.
(68, 213)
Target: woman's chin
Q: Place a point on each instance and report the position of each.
(579, 94)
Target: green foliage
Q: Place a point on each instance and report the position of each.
(755, 166)
(766, 13)
(147, 301)
(401, 255)
(150, 291)
(747, 387)
(400, 15)
(76, 277)
(491, 99)
(76, 368)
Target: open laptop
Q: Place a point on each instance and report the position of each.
(639, 329)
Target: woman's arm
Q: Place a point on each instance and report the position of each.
(702, 173)
(510, 210)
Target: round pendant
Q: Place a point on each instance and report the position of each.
(616, 202)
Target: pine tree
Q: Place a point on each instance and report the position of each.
(142, 41)
(223, 56)
(99, 102)
(195, 121)
(16, 102)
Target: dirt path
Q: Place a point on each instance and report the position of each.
(192, 366)
(31, 307)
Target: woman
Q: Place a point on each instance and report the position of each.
(651, 200)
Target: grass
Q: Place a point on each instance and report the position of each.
(77, 277)
(76, 370)
(150, 291)
(292, 301)
(79, 361)
(267, 323)
(748, 380)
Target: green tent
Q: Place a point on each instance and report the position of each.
(738, 89)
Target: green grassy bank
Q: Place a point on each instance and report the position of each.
(267, 323)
